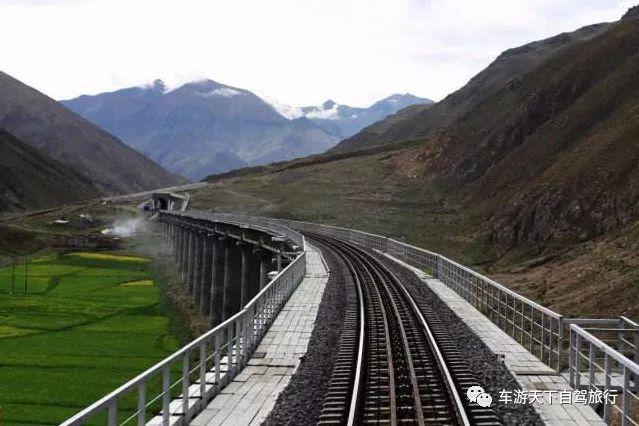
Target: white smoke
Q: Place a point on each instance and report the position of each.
(125, 227)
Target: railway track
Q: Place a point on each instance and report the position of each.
(394, 364)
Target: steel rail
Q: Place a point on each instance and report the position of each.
(417, 404)
(360, 359)
(441, 362)
(384, 282)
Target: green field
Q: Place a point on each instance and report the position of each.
(89, 322)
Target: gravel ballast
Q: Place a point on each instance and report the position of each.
(488, 368)
(300, 402)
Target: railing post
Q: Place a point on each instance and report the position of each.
(218, 356)
(113, 412)
(571, 358)
(591, 366)
(560, 342)
(607, 371)
(166, 394)
(577, 361)
(185, 386)
(229, 351)
(142, 403)
(203, 372)
(625, 401)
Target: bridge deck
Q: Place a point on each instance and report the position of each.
(250, 397)
(530, 372)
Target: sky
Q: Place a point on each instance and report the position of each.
(300, 52)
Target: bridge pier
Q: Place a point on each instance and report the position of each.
(232, 279)
(218, 270)
(244, 282)
(205, 285)
(194, 288)
(181, 252)
(221, 268)
(265, 263)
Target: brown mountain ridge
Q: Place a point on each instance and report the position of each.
(55, 131)
(30, 179)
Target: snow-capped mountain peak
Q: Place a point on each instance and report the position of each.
(342, 120)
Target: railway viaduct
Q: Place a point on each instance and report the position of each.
(410, 317)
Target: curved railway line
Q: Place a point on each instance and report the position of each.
(396, 362)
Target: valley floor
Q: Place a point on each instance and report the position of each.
(89, 322)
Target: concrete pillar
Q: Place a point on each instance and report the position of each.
(254, 272)
(232, 279)
(188, 261)
(218, 268)
(183, 252)
(207, 263)
(176, 247)
(245, 291)
(194, 285)
(173, 239)
(265, 263)
(168, 236)
(199, 269)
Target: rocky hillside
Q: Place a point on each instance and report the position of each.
(423, 120)
(47, 125)
(543, 153)
(206, 127)
(31, 180)
(553, 154)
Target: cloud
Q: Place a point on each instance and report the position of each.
(357, 51)
(325, 113)
(225, 92)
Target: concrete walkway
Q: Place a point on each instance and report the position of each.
(251, 396)
(528, 370)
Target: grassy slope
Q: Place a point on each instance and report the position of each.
(78, 334)
(34, 231)
(383, 193)
(597, 278)
(362, 191)
(30, 179)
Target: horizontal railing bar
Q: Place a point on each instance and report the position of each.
(609, 329)
(596, 321)
(617, 356)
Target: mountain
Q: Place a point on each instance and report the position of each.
(548, 151)
(31, 180)
(537, 179)
(424, 120)
(201, 127)
(54, 130)
(343, 121)
(205, 127)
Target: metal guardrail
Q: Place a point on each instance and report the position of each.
(534, 326)
(603, 366)
(259, 223)
(199, 370)
(600, 352)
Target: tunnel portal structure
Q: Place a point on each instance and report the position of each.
(165, 200)
(222, 265)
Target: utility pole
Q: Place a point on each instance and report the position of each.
(13, 275)
(26, 273)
